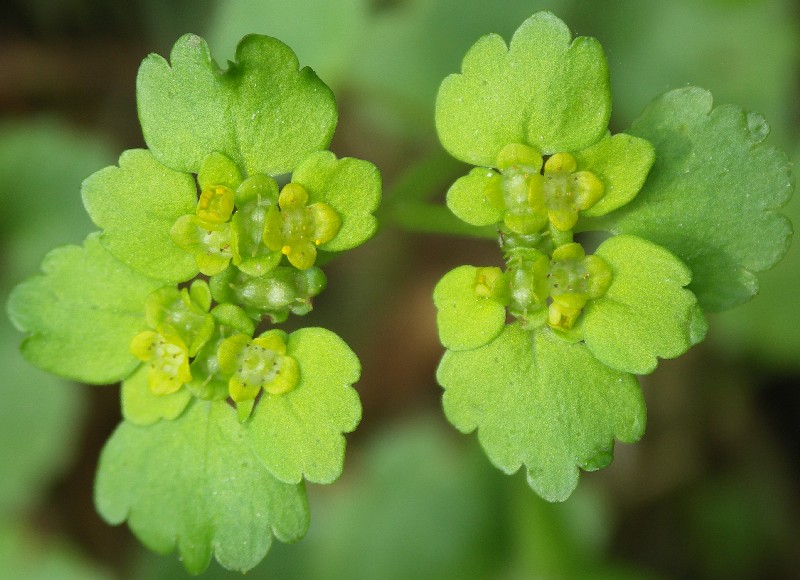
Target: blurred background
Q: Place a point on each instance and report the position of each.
(712, 490)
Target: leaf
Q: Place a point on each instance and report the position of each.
(299, 434)
(646, 312)
(543, 90)
(543, 402)
(711, 195)
(195, 485)
(141, 406)
(465, 319)
(622, 163)
(262, 112)
(467, 199)
(81, 315)
(136, 204)
(350, 186)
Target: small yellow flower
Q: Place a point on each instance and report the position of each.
(167, 357)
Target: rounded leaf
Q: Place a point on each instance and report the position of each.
(465, 319)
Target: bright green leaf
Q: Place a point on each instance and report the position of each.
(465, 319)
(467, 199)
(82, 313)
(136, 204)
(191, 108)
(142, 407)
(710, 196)
(542, 90)
(646, 312)
(622, 163)
(350, 186)
(299, 434)
(194, 484)
(543, 402)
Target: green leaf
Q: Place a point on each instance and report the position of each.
(141, 407)
(540, 401)
(262, 112)
(465, 319)
(467, 199)
(299, 434)
(82, 313)
(646, 312)
(711, 195)
(350, 186)
(622, 163)
(542, 90)
(194, 484)
(136, 204)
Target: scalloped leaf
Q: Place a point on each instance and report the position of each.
(543, 89)
(646, 312)
(141, 406)
(194, 484)
(465, 320)
(711, 195)
(82, 313)
(467, 199)
(622, 163)
(192, 108)
(350, 186)
(299, 434)
(136, 205)
(540, 401)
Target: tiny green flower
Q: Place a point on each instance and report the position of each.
(167, 357)
(574, 279)
(526, 283)
(185, 311)
(215, 204)
(210, 243)
(255, 364)
(568, 191)
(254, 198)
(295, 229)
(517, 189)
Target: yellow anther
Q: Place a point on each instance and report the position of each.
(285, 250)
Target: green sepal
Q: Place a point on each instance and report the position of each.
(299, 434)
(622, 163)
(465, 319)
(82, 313)
(255, 198)
(185, 311)
(540, 401)
(646, 313)
(195, 485)
(192, 108)
(211, 244)
(543, 90)
(467, 198)
(136, 205)
(352, 187)
(234, 317)
(711, 195)
(141, 407)
(218, 169)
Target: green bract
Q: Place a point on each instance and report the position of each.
(199, 247)
(552, 389)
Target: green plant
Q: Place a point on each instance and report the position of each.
(688, 196)
(201, 251)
